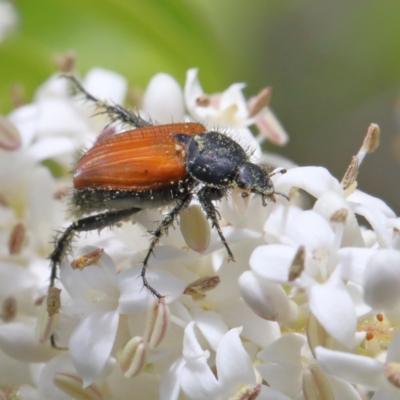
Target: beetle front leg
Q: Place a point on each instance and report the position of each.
(157, 234)
(206, 197)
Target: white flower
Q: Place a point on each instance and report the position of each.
(381, 377)
(98, 297)
(236, 374)
(230, 109)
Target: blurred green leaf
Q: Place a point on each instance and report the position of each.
(136, 38)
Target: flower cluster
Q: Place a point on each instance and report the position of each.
(310, 309)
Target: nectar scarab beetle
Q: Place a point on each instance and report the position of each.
(152, 166)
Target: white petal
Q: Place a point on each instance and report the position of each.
(106, 85)
(351, 368)
(19, 341)
(25, 118)
(91, 343)
(233, 97)
(330, 202)
(343, 390)
(191, 346)
(234, 365)
(314, 180)
(270, 394)
(387, 392)
(50, 147)
(382, 280)
(311, 230)
(61, 363)
(353, 263)
(198, 382)
(282, 367)
(255, 329)
(170, 383)
(393, 354)
(334, 309)
(163, 100)
(267, 299)
(273, 262)
(379, 222)
(370, 201)
(136, 298)
(211, 326)
(14, 279)
(192, 91)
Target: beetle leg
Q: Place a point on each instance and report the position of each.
(63, 243)
(206, 195)
(157, 234)
(91, 223)
(116, 113)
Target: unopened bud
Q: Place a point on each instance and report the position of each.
(72, 384)
(340, 216)
(195, 228)
(200, 287)
(17, 239)
(317, 335)
(133, 357)
(9, 309)
(297, 266)
(316, 385)
(157, 323)
(10, 139)
(87, 259)
(257, 103)
(267, 299)
(391, 372)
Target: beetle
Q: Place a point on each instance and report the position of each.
(153, 166)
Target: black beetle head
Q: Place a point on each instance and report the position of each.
(254, 178)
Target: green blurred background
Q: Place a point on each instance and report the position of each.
(334, 66)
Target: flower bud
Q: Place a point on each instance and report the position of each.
(317, 335)
(72, 384)
(157, 323)
(267, 299)
(133, 357)
(195, 228)
(316, 385)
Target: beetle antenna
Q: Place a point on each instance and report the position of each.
(281, 171)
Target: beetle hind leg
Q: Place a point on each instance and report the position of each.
(115, 112)
(206, 196)
(63, 242)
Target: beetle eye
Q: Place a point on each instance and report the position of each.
(244, 195)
